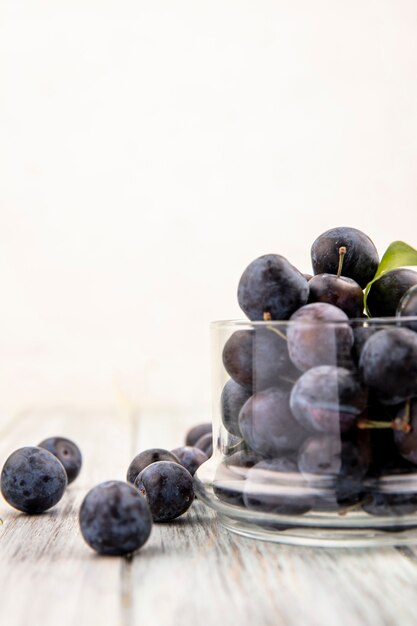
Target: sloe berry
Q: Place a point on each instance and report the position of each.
(168, 489)
(33, 480)
(67, 452)
(115, 518)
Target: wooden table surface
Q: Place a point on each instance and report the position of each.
(191, 571)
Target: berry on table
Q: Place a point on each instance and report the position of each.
(115, 518)
(33, 480)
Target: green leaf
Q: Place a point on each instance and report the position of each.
(398, 254)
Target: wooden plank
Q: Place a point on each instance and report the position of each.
(48, 574)
(201, 573)
(191, 571)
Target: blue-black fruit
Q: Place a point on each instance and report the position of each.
(232, 399)
(385, 293)
(205, 443)
(407, 307)
(320, 335)
(190, 457)
(33, 480)
(168, 489)
(115, 518)
(268, 425)
(388, 365)
(195, 432)
(67, 452)
(361, 258)
(145, 458)
(271, 286)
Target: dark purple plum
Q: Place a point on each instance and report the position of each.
(168, 489)
(361, 259)
(205, 443)
(190, 457)
(407, 306)
(276, 486)
(328, 399)
(317, 335)
(335, 467)
(271, 288)
(320, 458)
(67, 452)
(361, 335)
(267, 424)
(319, 462)
(232, 399)
(388, 365)
(271, 363)
(33, 480)
(343, 292)
(196, 432)
(145, 458)
(385, 293)
(258, 359)
(115, 518)
(238, 357)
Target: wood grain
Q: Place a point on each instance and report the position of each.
(191, 571)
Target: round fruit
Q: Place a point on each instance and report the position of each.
(267, 424)
(190, 457)
(408, 306)
(115, 519)
(33, 480)
(361, 259)
(196, 432)
(386, 292)
(145, 458)
(271, 288)
(388, 364)
(318, 336)
(205, 443)
(257, 359)
(168, 489)
(341, 291)
(67, 452)
(328, 399)
(232, 399)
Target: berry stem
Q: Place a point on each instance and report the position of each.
(398, 424)
(342, 252)
(407, 412)
(277, 332)
(354, 507)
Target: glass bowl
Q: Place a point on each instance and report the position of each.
(315, 431)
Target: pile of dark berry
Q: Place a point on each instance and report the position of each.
(320, 410)
(115, 517)
(319, 413)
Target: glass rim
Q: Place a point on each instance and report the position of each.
(365, 321)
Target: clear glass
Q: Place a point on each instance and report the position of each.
(313, 431)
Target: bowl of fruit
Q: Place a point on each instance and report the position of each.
(315, 399)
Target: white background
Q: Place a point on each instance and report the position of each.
(150, 150)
